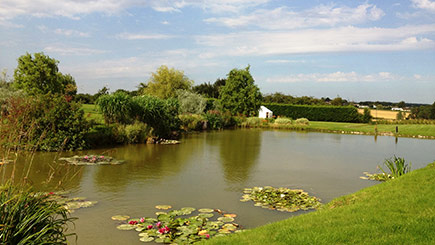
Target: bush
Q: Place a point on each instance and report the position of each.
(302, 121)
(132, 133)
(367, 117)
(191, 122)
(214, 120)
(283, 121)
(191, 102)
(253, 122)
(116, 108)
(317, 113)
(30, 218)
(44, 122)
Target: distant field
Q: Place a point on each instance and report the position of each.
(91, 112)
(383, 114)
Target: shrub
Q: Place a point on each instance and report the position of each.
(191, 102)
(132, 133)
(44, 122)
(317, 112)
(30, 218)
(283, 121)
(116, 108)
(214, 120)
(191, 122)
(367, 117)
(302, 121)
(253, 121)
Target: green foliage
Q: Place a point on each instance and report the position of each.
(191, 102)
(283, 120)
(161, 115)
(39, 74)
(281, 98)
(165, 82)
(397, 166)
(137, 132)
(316, 113)
(339, 101)
(214, 120)
(45, 122)
(240, 95)
(302, 121)
(191, 122)
(399, 116)
(31, 218)
(210, 90)
(367, 117)
(116, 108)
(253, 121)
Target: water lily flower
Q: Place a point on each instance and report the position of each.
(149, 227)
(51, 193)
(142, 220)
(102, 157)
(159, 224)
(207, 236)
(132, 222)
(86, 157)
(167, 228)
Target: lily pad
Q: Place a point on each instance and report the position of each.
(205, 210)
(226, 219)
(120, 217)
(164, 207)
(205, 215)
(146, 239)
(230, 215)
(125, 227)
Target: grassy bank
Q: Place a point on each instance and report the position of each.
(400, 211)
(406, 130)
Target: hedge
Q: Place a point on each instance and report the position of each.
(316, 112)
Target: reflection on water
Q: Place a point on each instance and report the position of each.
(210, 170)
(237, 162)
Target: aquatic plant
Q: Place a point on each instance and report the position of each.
(180, 226)
(397, 166)
(69, 203)
(27, 217)
(91, 160)
(281, 199)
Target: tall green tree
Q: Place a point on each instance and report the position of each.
(39, 74)
(165, 82)
(240, 95)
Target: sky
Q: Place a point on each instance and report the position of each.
(358, 50)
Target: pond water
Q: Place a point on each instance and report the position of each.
(211, 169)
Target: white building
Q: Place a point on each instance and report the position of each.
(264, 112)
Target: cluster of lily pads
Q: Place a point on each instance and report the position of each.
(281, 199)
(168, 142)
(70, 203)
(377, 176)
(180, 226)
(91, 160)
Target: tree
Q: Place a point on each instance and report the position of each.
(210, 90)
(401, 104)
(191, 102)
(39, 74)
(240, 95)
(432, 111)
(338, 101)
(165, 82)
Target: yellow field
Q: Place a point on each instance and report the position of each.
(384, 114)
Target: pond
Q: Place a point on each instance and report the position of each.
(211, 169)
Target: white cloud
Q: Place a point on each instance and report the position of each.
(71, 33)
(74, 9)
(285, 61)
(285, 18)
(342, 39)
(424, 4)
(136, 36)
(336, 77)
(64, 50)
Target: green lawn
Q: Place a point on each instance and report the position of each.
(91, 112)
(400, 211)
(404, 130)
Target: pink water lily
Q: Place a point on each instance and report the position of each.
(159, 224)
(132, 222)
(207, 236)
(164, 230)
(149, 227)
(102, 157)
(86, 157)
(142, 220)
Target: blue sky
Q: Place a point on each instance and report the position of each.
(359, 50)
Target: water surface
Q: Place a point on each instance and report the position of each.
(210, 170)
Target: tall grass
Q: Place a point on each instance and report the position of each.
(27, 217)
(396, 166)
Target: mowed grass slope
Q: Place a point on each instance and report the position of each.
(92, 113)
(400, 211)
